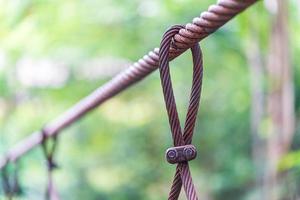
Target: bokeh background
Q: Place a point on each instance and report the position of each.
(55, 52)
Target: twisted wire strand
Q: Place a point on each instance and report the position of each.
(208, 22)
(182, 176)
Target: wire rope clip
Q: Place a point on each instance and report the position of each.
(181, 154)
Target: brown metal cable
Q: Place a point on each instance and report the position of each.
(182, 176)
(208, 22)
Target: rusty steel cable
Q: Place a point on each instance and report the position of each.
(183, 151)
(202, 26)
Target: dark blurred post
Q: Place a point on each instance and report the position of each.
(280, 99)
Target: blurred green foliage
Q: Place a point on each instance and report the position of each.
(117, 151)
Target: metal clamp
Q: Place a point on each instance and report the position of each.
(181, 154)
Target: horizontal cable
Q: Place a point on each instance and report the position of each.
(208, 22)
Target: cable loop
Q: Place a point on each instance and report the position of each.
(49, 151)
(182, 151)
(10, 184)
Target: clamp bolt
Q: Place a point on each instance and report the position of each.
(181, 154)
